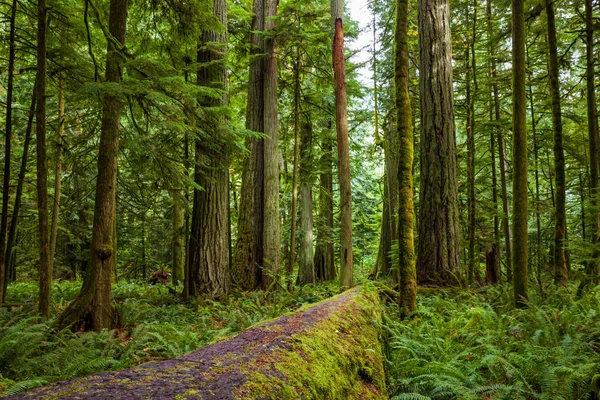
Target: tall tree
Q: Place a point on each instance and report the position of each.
(93, 304)
(272, 229)
(306, 267)
(208, 257)
(406, 246)
(593, 267)
(341, 122)
(438, 248)
(58, 166)
(256, 255)
(520, 267)
(41, 167)
(324, 255)
(179, 245)
(560, 224)
(7, 147)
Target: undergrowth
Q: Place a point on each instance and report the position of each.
(155, 326)
(477, 346)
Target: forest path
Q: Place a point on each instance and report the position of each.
(327, 350)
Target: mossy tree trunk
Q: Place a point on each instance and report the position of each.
(7, 148)
(293, 216)
(520, 185)
(14, 221)
(438, 249)
(41, 167)
(560, 223)
(341, 122)
(178, 257)
(493, 259)
(407, 273)
(93, 304)
(306, 267)
(325, 269)
(57, 167)
(593, 267)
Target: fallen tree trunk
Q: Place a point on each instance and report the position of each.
(330, 350)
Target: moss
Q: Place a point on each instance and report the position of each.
(338, 358)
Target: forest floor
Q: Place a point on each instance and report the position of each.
(276, 359)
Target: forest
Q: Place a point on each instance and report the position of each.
(181, 174)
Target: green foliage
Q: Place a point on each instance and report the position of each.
(463, 346)
(155, 326)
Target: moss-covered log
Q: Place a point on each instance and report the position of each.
(330, 350)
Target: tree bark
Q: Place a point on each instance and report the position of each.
(593, 267)
(438, 249)
(58, 167)
(7, 148)
(341, 121)
(293, 217)
(407, 273)
(272, 229)
(325, 269)
(41, 167)
(560, 226)
(469, 106)
(14, 221)
(93, 305)
(520, 254)
(178, 258)
(208, 260)
(306, 267)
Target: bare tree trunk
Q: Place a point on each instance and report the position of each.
(58, 167)
(470, 154)
(7, 148)
(341, 121)
(272, 230)
(438, 251)
(42, 169)
(248, 252)
(407, 273)
(208, 259)
(520, 254)
(93, 305)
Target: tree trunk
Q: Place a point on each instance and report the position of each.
(324, 256)
(593, 267)
(407, 273)
(42, 169)
(14, 221)
(248, 252)
(560, 227)
(272, 230)
(178, 258)
(293, 216)
(438, 247)
(58, 167)
(93, 305)
(520, 254)
(494, 277)
(469, 106)
(208, 258)
(538, 222)
(306, 267)
(341, 122)
(7, 149)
